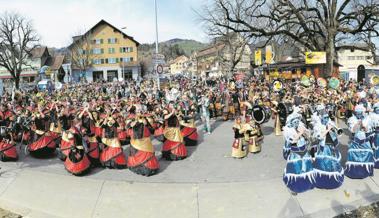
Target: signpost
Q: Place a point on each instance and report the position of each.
(315, 57)
(159, 69)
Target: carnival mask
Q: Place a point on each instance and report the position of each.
(324, 120)
(295, 123)
(359, 115)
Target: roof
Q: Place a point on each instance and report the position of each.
(38, 52)
(103, 22)
(178, 59)
(56, 62)
(211, 50)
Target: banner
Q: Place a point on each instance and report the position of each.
(269, 54)
(258, 57)
(315, 57)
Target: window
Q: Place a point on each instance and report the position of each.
(98, 41)
(126, 49)
(351, 58)
(112, 40)
(111, 50)
(360, 57)
(96, 61)
(112, 60)
(127, 59)
(97, 51)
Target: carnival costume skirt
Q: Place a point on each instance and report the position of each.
(142, 162)
(43, 146)
(173, 150)
(286, 150)
(77, 166)
(173, 147)
(64, 147)
(360, 160)
(376, 150)
(190, 136)
(298, 174)
(8, 152)
(113, 157)
(93, 150)
(328, 172)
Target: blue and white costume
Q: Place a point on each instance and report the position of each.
(360, 156)
(287, 144)
(298, 174)
(328, 172)
(374, 126)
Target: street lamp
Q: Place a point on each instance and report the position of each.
(156, 44)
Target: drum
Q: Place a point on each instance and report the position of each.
(284, 109)
(3, 130)
(261, 114)
(277, 86)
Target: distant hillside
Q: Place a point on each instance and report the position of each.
(172, 48)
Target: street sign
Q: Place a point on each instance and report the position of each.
(159, 69)
(159, 59)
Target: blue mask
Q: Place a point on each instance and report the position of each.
(359, 115)
(295, 123)
(324, 120)
(376, 110)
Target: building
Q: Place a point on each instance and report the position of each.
(208, 60)
(40, 57)
(352, 59)
(224, 57)
(104, 53)
(179, 65)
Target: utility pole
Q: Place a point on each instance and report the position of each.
(156, 45)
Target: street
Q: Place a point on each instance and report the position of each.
(209, 183)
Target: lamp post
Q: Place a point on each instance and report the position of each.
(156, 44)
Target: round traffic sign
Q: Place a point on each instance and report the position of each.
(159, 69)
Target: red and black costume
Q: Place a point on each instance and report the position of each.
(141, 159)
(187, 124)
(112, 155)
(8, 151)
(65, 145)
(173, 147)
(77, 161)
(43, 144)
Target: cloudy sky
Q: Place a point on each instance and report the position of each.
(57, 20)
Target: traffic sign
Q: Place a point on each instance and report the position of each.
(159, 69)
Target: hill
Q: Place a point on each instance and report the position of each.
(172, 48)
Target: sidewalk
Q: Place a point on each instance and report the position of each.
(37, 194)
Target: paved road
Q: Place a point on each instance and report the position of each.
(207, 184)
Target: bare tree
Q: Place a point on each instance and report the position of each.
(17, 40)
(234, 51)
(81, 52)
(319, 25)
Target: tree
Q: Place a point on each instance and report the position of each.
(17, 41)
(81, 52)
(234, 52)
(319, 25)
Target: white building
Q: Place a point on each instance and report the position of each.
(351, 59)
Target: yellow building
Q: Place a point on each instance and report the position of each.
(104, 53)
(179, 65)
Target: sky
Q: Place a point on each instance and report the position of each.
(56, 21)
